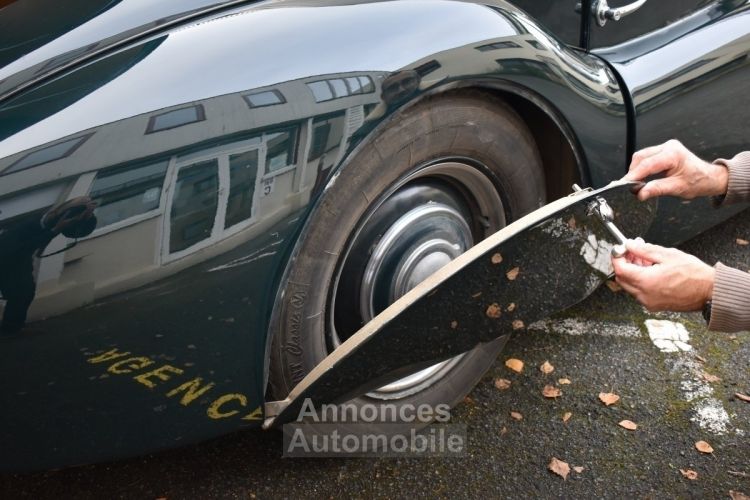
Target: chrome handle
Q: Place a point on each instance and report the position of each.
(604, 13)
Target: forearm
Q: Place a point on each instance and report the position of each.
(730, 308)
(738, 188)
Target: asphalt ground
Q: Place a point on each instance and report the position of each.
(601, 345)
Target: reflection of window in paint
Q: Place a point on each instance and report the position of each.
(48, 154)
(326, 135)
(123, 193)
(536, 45)
(243, 170)
(281, 147)
(335, 88)
(427, 68)
(262, 99)
(498, 45)
(196, 199)
(176, 118)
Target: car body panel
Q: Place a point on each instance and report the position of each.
(689, 81)
(151, 332)
(519, 275)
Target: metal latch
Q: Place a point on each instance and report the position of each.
(604, 213)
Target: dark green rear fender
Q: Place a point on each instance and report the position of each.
(206, 148)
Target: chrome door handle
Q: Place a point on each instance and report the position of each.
(603, 12)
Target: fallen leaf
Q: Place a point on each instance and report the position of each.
(454, 324)
(517, 324)
(502, 383)
(550, 391)
(511, 307)
(515, 415)
(608, 398)
(710, 378)
(567, 416)
(468, 400)
(547, 368)
(613, 286)
(741, 242)
(733, 337)
(578, 469)
(572, 222)
(690, 474)
(738, 495)
(563, 381)
(628, 424)
(494, 311)
(496, 258)
(476, 295)
(514, 364)
(559, 467)
(743, 397)
(703, 447)
(513, 273)
(700, 358)
(503, 431)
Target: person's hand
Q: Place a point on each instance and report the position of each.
(685, 175)
(664, 279)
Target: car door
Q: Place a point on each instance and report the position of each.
(685, 66)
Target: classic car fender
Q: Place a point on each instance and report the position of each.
(206, 147)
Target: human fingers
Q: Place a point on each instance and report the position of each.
(647, 161)
(648, 253)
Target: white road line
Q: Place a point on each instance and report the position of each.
(577, 326)
(671, 337)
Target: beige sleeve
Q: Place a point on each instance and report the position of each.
(738, 190)
(730, 308)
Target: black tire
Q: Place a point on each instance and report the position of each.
(474, 128)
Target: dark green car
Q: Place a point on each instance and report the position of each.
(201, 199)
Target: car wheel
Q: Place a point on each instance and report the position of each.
(443, 175)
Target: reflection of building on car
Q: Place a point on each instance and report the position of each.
(196, 202)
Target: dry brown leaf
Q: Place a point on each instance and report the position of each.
(572, 222)
(741, 242)
(703, 447)
(738, 495)
(628, 424)
(613, 286)
(559, 467)
(502, 383)
(578, 469)
(514, 364)
(515, 415)
(454, 324)
(563, 381)
(517, 324)
(547, 368)
(710, 378)
(550, 391)
(513, 273)
(511, 307)
(503, 431)
(608, 398)
(690, 474)
(468, 400)
(496, 258)
(494, 311)
(743, 397)
(567, 416)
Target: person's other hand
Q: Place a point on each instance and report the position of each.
(664, 279)
(685, 175)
